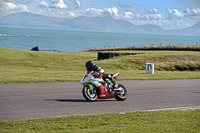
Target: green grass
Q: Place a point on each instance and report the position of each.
(163, 60)
(29, 66)
(167, 47)
(20, 66)
(17, 66)
(174, 121)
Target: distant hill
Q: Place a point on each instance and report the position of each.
(100, 24)
(109, 24)
(193, 30)
(29, 20)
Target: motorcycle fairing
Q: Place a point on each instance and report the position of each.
(90, 86)
(115, 75)
(88, 78)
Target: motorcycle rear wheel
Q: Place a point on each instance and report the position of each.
(87, 94)
(122, 95)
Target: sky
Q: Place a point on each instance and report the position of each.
(167, 14)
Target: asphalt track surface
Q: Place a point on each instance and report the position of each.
(46, 100)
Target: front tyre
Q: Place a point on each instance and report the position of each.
(121, 93)
(91, 97)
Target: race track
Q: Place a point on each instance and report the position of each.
(46, 100)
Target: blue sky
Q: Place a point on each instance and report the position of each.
(168, 14)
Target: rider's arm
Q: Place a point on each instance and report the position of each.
(97, 68)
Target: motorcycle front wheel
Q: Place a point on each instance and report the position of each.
(88, 95)
(121, 94)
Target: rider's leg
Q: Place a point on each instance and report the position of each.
(111, 79)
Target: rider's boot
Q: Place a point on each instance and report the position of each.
(115, 85)
(102, 92)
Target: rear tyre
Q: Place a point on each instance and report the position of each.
(87, 94)
(121, 94)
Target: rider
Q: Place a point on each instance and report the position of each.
(90, 66)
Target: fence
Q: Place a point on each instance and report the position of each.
(47, 50)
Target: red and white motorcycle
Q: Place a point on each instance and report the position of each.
(104, 90)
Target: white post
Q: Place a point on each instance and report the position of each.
(149, 68)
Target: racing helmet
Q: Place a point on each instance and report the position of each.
(89, 65)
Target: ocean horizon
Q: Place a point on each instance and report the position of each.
(71, 41)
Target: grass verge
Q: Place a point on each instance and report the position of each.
(163, 60)
(155, 121)
(20, 66)
(167, 47)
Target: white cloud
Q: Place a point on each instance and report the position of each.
(52, 12)
(58, 8)
(141, 17)
(128, 15)
(134, 18)
(60, 4)
(174, 13)
(43, 4)
(92, 12)
(110, 12)
(76, 3)
(192, 13)
(153, 11)
(182, 19)
(9, 8)
(171, 19)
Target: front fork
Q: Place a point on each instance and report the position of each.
(91, 87)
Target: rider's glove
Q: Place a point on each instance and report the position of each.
(96, 73)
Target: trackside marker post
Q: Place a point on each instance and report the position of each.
(149, 68)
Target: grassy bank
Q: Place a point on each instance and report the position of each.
(28, 66)
(163, 60)
(167, 47)
(157, 121)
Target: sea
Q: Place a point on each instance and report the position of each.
(72, 41)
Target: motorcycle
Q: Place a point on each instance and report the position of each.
(92, 93)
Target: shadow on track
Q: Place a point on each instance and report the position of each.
(76, 100)
(66, 100)
(195, 92)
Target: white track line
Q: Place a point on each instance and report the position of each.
(182, 108)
